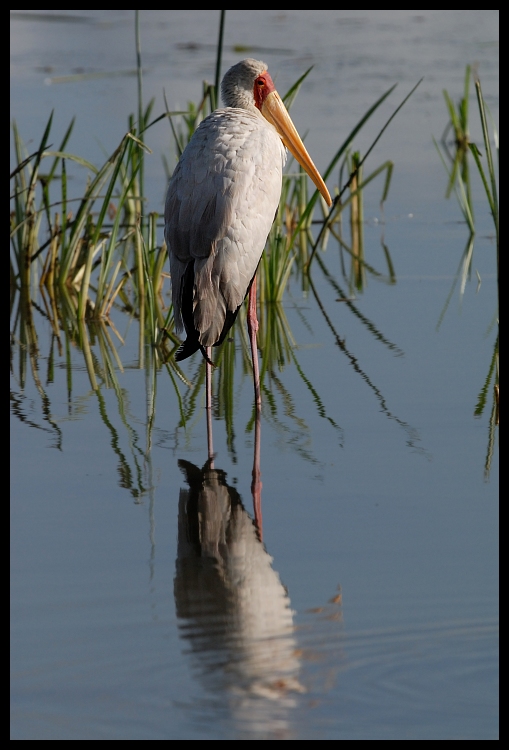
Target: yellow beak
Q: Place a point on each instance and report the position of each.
(276, 113)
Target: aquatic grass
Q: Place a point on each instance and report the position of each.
(360, 269)
(91, 340)
(356, 250)
(79, 243)
(332, 164)
(490, 186)
(84, 279)
(462, 191)
(456, 163)
(291, 94)
(114, 164)
(96, 258)
(343, 148)
(276, 341)
(460, 180)
(491, 376)
(491, 381)
(25, 219)
(460, 171)
(275, 267)
(106, 279)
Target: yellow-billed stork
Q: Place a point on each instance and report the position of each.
(220, 205)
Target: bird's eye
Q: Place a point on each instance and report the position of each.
(260, 82)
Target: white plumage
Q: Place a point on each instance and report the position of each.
(220, 206)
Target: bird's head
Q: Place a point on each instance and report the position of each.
(248, 85)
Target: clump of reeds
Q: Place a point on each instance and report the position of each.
(60, 248)
(456, 162)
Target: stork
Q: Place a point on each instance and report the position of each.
(220, 205)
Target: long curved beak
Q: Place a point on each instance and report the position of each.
(276, 113)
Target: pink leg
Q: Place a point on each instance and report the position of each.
(256, 484)
(252, 326)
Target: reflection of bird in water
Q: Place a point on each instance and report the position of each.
(220, 206)
(235, 613)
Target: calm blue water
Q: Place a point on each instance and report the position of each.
(143, 604)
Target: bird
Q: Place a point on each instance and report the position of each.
(220, 205)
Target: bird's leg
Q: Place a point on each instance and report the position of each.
(208, 403)
(208, 379)
(256, 483)
(252, 326)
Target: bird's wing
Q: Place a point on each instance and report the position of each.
(219, 209)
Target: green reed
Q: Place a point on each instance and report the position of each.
(455, 158)
(102, 247)
(455, 154)
(96, 259)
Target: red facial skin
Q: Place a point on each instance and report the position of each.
(263, 86)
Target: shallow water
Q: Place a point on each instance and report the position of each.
(144, 604)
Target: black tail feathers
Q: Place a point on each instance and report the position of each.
(190, 346)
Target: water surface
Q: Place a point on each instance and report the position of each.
(144, 604)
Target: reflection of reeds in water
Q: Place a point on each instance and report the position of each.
(100, 346)
(278, 350)
(491, 381)
(413, 438)
(24, 343)
(104, 369)
(234, 611)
